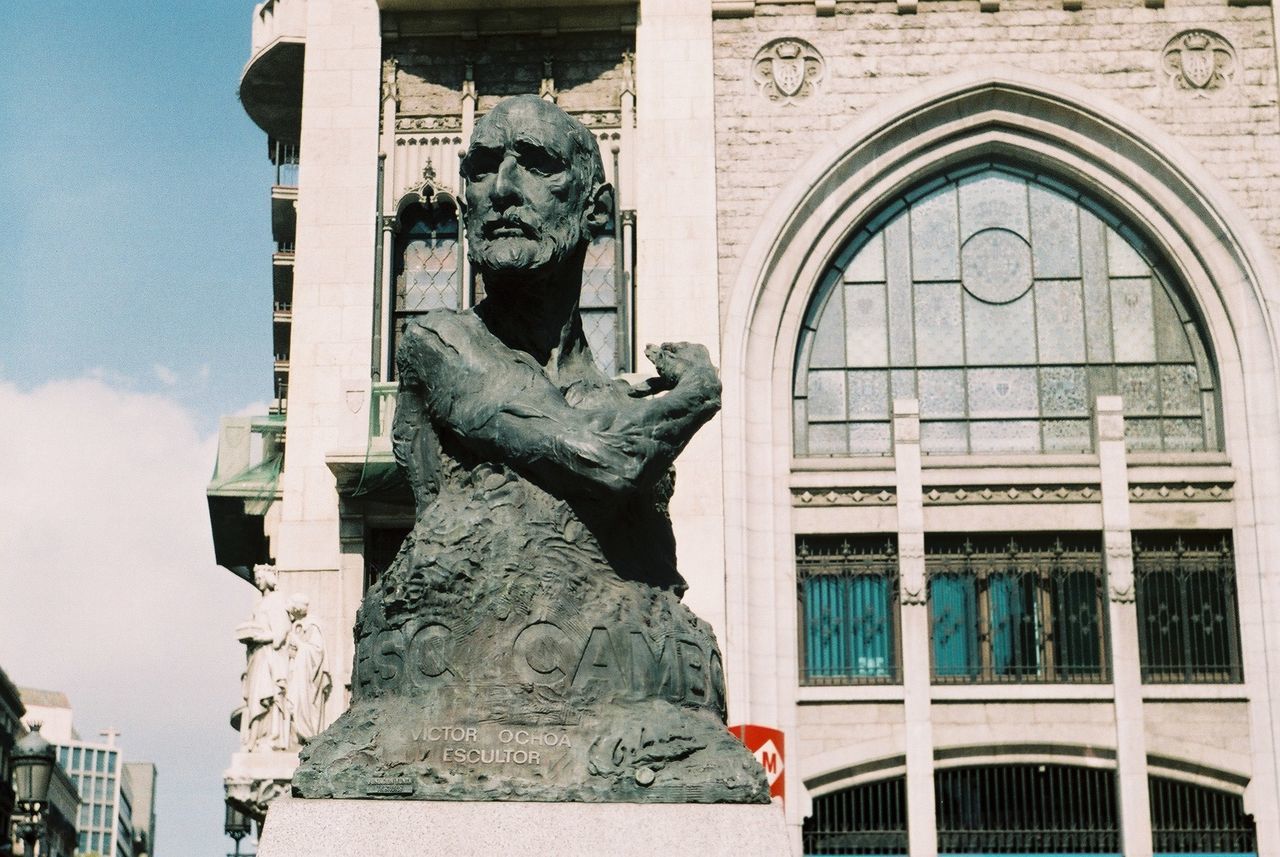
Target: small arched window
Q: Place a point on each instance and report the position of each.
(1006, 302)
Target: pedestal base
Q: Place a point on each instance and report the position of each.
(354, 828)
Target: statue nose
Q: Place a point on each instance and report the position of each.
(506, 184)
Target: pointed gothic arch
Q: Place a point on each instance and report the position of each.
(1117, 157)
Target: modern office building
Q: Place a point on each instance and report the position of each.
(63, 804)
(105, 825)
(140, 782)
(989, 526)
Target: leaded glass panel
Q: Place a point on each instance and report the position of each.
(1005, 303)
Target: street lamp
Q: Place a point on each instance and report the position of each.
(237, 825)
(33, 761)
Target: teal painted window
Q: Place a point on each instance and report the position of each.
(848, 603)
(1005, 302)
(1016, 609)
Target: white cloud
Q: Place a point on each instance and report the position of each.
(108, 589)
(165, 375)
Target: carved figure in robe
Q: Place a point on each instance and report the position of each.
(308, 684)
(261, 719)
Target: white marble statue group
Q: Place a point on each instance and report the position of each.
(286, 685)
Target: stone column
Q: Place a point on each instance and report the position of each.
(677, 296)
(922, 830)
(1131, 735)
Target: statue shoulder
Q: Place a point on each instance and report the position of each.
(440, 334)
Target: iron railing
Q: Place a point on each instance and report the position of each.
(1192, 819)
(285, 157)
(848, 601)
(1026, 809)
(1188, 621)
(866, 819)
(1024, 609)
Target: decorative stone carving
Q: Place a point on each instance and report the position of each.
(529, 642)
(843, 496)
(969, 495)
(429, 123)
(308, 683)
(1180, 492)
(915, 593)
(1199, 61)
(787, 70)
(1121, 591)
(261, 715)
(390, 80)
(254, 796)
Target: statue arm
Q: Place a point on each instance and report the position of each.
(503, 405)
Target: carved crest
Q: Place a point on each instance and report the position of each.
(787, 70)
(1199, 61)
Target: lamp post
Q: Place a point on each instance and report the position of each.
(33, 761)
(237, 825)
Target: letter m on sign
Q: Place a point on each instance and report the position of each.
(769, 748)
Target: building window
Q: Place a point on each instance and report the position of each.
(1006, 303)
(427, 269)
(1188, 624)
(1026, 809)
(1028, 608)
(848, 591)
(865, 819)
(603, 308)
(1193, 819)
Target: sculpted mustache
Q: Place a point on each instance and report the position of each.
(509, 222)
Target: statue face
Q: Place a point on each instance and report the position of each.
(528, 187)
(264, 578)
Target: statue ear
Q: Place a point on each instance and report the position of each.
(599, 210)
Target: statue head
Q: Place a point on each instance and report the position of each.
(265, 577)
(298, 606)
(535, 188)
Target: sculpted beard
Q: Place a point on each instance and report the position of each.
(542, 244)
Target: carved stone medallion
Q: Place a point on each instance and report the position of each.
(1199, 61)
(787, 70)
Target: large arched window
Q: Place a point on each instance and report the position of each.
(1005, 302)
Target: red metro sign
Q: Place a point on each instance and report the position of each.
(769, 748)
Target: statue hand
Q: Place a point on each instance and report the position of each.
(677, 361)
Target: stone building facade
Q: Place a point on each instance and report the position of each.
(988, 519)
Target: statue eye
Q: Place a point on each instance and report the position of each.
(481, 162)
(541, 162)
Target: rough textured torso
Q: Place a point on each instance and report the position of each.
(528, 645)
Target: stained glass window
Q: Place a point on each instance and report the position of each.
(1006, 303)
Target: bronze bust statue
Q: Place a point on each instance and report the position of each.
(529, 642)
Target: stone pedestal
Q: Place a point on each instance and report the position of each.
(352, 828)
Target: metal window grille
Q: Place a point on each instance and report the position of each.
(1026, 809)
(1025, 609)
(1193, 819)
(1188, 623)
(848, 600)
(865, 819)
(427, 266)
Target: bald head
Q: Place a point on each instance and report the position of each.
(550, 126)
(535, 188)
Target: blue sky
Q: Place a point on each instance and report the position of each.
(134, 203)
(134, 311)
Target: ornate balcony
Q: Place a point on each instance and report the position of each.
(271, 84)
(244, 488)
